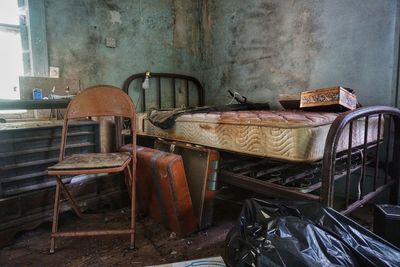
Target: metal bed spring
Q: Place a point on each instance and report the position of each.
(368, 169)
(302, 177)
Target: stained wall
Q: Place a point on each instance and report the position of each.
(263, 48)
(156, 35)
(260, 48)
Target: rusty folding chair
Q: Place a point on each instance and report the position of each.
(96, 101)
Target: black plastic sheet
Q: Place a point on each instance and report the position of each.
(303, 234)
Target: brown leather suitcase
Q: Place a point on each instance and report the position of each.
(162, 191)
(201, 166)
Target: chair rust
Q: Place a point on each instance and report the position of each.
(95, 101)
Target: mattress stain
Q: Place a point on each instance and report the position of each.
(205, 126)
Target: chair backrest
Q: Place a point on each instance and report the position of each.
(99, 101)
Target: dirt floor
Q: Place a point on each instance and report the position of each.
(154, 244)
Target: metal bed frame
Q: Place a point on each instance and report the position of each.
(366, 170)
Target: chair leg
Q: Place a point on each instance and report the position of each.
(70, 198)
(56, 211)
(133, 205)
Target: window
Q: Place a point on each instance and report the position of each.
(11, 66)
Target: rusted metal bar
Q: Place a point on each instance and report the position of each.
(261, 170)
(348, 173)
(173, 93)
(74, 205)
(132, 180)
(377, 152)
(187, 93)
(143, 92)
(247, 165)
(299, 176)
(388, 150)
(334, 134)
(261, 187)
(395, 170)
(335, 177)
(118, 132)
(366, 198)
(56, 213)
(263, 173)
(364, 158)
(93, 233)
(159, 91)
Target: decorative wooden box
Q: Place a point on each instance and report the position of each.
(332, 98)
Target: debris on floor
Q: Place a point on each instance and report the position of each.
(154, 244)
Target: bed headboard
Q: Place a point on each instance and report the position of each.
(166, 90)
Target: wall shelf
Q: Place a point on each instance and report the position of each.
(34, 104)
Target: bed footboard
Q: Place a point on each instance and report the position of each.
(379, 160)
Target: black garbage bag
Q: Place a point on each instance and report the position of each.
(303, 234)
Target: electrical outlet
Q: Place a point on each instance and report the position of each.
(111, 42)
(54, 72)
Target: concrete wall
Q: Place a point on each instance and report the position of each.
(262, 48)
(156, 35)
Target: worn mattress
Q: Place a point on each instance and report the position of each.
(286, 135)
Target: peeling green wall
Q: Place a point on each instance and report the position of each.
(263, 48)
(156, 35)
(260, 48)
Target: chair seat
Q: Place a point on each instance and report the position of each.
(92, 161)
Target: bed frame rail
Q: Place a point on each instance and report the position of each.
(380, 160)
